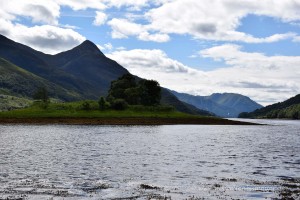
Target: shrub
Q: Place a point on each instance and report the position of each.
(101, 103)
(119, 104)
(86, 106)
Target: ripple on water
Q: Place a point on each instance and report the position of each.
(143, 162)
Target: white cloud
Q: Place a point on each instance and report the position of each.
(264, 79)
(120, 48)
(100, 18)
(102, 48)
(122, 28)
(45, 38)
(108, 46)
(134, 4)
(213, 20)
(296, 39)
(44, 11)
(140, 59)
(68, 26)
(82, 4)
(157, 37)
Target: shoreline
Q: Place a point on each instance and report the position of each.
(124, 121)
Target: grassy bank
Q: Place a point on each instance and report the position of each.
(80, 113)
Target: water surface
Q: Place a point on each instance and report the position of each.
(144, 162)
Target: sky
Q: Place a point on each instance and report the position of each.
(250, 47)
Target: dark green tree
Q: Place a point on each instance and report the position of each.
(101, 103)
(86, 106)
(118, 87)
(41, 94)
(133, 95)
(119, 104)
(146, 92)
(150, 92)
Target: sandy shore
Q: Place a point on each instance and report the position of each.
(123, 121)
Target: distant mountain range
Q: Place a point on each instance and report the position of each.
(287, 109)
(224, 105)
(83, 72)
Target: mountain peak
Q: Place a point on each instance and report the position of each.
(88, 47)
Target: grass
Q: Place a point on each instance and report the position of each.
(76, 110)
(78, 114)
(8, 102)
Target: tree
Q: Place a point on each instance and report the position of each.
(41, 94)
(101, 103)
(133, 95)
(118, 87)
(150, 92)
(119, 104)
(146, 92)
(86, 106)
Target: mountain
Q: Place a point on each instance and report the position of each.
(83, 72)
(20, 82)
(286, 109)
(223, 105)
(83, 69)
(171, 99)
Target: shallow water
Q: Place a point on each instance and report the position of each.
(150, 162)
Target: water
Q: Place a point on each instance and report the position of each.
(150, 162)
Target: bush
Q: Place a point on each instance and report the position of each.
(41, 94)
(101, 103)
(86, 106)
(119, 104)
(41, 104)
(161, 108)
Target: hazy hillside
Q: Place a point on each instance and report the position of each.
(224, 105)
(286, 109)
(235, 101)
(170, 99)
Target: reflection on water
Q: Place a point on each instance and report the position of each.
(150, 162)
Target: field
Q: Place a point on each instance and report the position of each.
(87, 112)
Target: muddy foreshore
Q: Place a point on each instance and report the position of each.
(124, 121)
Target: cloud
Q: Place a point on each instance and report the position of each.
(43, 11)
(157, 37)
(266, 79)
(213, 20)
(141, 59)
(45, 38)
(133, 4)
(122, 28)
(82, 4)
(100, 18)
(106, 47)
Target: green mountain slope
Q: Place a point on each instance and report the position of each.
(286, 109)
(19, 82)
